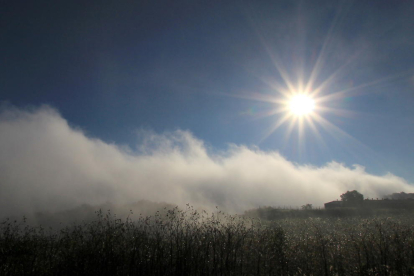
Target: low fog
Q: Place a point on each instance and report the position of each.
(48, 165)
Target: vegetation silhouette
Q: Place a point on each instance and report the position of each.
(352, 198)
(191, 242)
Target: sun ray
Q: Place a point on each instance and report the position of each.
(341, 112)
(276, 86)
(312, 79)
(278, 64)
(266, 114)
(331, 78)
(300, 130)
(338, 133)
(255, 97)
(280, 122)
(303, 100)
(319, 61)
(316, 132)
(281, 71)
(275, 60)
(290, 129)
(347, 92)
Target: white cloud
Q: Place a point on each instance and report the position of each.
(45, 164)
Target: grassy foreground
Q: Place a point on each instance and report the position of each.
(193, 243)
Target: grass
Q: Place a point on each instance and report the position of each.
(196, 243)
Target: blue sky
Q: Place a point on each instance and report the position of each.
(116, 68)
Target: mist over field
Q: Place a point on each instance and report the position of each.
(48, 165)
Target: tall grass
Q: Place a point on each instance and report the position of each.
(196, 243)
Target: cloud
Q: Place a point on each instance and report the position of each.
(47, 165)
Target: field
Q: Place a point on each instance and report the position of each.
(189, 242)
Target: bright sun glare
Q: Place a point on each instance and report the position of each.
(300, 105)
(302, 99)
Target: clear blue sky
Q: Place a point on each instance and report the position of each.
(112, 68)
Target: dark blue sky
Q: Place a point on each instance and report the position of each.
(115, 67)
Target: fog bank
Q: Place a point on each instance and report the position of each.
(47, 165)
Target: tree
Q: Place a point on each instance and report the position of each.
(307, 207)
(352, 198)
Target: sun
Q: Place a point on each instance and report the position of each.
(301, 105)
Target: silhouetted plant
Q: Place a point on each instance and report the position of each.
(352, 198)
(190, 242)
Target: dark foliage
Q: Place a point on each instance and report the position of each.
(401, 196)
(193, 243)
(352, 198)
